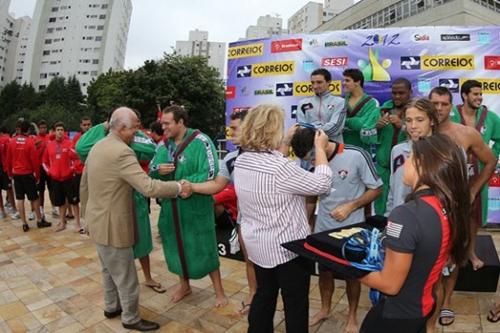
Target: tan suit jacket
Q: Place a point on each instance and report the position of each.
(111, 173)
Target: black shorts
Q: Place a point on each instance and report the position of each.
(76, 186)
(44, 180)
(5, 182)
(62, 191)
(25, 185)
(375, 322)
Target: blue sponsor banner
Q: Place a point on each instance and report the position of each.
(277, 70)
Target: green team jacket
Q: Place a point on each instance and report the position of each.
(387, 137)
(360, 129)
(490, 132)
(144, 148)
(197, 163)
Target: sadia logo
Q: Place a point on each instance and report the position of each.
(421, 38)
(410, 62)
(455, 37)
(284, 89)
(286, 45)
(336, 43)
(243, 51)
(492, 62)
(334, 62)
(230, 92)
(305, 88)
(273, 68)
(448, 62)
(244, 71)
(451, 84)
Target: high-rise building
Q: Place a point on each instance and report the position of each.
(5, 37)
(16, 55)
(76, 37)
(314, 14)
(267, 26)
(198, 45)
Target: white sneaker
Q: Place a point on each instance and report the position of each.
(2, 215)
(9, 209)
(31, 216)
(15, 216)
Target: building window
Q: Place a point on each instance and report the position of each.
(93, 73)
(102, 17)
(100, 27)
(42, 87)
(46, 52)
(48, 41)
(95, 61)
(55, 9)
(98, 38)
(43, 75)
(52, 19)
(50, 30)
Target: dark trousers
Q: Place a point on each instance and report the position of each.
(374, 322)
(293, 279)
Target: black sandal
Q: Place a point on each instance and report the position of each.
(26, 227)
(494, 314)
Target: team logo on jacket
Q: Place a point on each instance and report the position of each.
(343, 174)
(182, 158)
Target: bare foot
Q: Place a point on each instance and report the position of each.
(221, 301)
(180, 293)
(319, 317)
(352, 326)
(475, 261)
(61, 227)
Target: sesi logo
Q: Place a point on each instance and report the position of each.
(334, 61)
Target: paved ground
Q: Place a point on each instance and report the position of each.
(50, 282)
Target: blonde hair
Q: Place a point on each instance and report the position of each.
(262, 128)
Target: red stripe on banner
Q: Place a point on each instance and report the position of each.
(326, 255)
(427, 299)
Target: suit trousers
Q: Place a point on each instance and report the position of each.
(293, 278)
(120, 283)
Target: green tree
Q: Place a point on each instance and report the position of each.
(186, 80)
(9, 101)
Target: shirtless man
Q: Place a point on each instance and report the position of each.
(472, 143)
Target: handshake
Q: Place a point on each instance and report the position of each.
(186, 189)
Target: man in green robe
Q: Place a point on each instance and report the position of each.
(362, 112)
(144, 148)
(187, 226)
(472, 113)
(390, 132)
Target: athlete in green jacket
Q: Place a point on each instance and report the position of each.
(390, 132)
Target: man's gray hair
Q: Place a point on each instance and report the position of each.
(121, 117)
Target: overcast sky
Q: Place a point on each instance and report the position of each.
(157, 24)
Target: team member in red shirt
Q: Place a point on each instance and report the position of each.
(58, 162)
(23, 165)
(5, 181)
(41, 141)
(85, 125)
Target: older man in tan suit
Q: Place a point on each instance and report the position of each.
(111, 172)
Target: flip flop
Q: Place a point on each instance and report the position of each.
(82, 231)
(245, 308)
(494, 315)
(157, 288)
(446, 314)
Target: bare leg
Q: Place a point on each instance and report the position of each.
(449, 285)
(310, 208)
(219, 210)
(2, 208)
(431, 323)
(62, 215)
(353, 288)
(76, 210)
(252, 280)
(474, 259)
(183, 290)
(326, 287)
(21, 210)
(220, 297)
(35, 206)
(10, 198)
